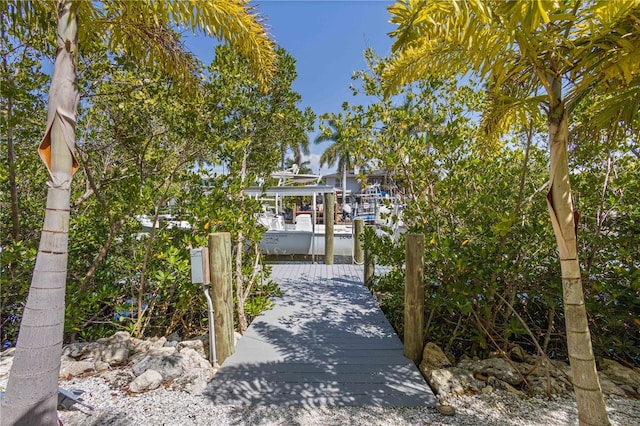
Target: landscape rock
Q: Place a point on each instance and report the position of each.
(124, 361)
(140, 346)
(158, 341)
(516, 353)
(81, 351)
(162, 351)
(6, 360)
(433, 358)
(498, 368)
(102, 366)
(194, 381)
(540, 385)
(608, 387)
(148, 380)
(118, 337)
(169, 366)
(116, 353)
(196, 345)
(619, 374)
(118, 378)
(76, 368)
(74, 350)
(454, 380)
(192, 360)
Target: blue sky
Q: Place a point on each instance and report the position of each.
(327, 39)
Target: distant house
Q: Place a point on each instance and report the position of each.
(375, 177)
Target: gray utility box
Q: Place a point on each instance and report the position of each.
(200, 266)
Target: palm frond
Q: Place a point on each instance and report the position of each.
(143, 29)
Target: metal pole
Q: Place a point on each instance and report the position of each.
(212, 335)
(313, 230)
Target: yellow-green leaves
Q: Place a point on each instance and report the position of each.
(147, 31)
(519, 48)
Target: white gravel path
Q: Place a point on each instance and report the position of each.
(164, 407)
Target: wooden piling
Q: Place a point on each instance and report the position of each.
(369, 267)
(414, 298)
(358, 254)
(222, 293)
(328, 228)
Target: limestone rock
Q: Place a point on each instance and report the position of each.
(499, 384)
(162, 351)
(498, 368)
(75, 368)
(196, 345)
(608, 387)
(619, 374)
(118, 378)
(169, 366)
(158, 341)
(516, 353)
(453, 380)
(139, 345)
(539, 386)
(74, 350)
(102, 366)
(118, 337)
(148, 380)
(433, 358)
(193, 381)
(191, 359)
(84, 351)
(116, 353)
(6, 360)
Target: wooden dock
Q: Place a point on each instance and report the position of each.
(325, 343)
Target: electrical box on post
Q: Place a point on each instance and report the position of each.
(200, 266)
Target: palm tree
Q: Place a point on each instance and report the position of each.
(142, 30)
(341, 151)
(535, 56)
(299, 146)
(304, 167)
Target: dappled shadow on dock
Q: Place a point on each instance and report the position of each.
(325, 343)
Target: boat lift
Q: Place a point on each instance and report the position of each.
(280, 192)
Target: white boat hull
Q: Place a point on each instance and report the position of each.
(281, 242)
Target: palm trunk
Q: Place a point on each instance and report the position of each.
(344, 183)
(589, 399)
(32, 391)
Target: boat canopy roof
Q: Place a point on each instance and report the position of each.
(293, 191)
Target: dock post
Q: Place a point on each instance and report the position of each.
(369, 267)
(221, 286)
(328, 228)
(358, 254)
(414, 298)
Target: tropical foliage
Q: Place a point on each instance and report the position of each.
(138, 33)
(469, 156)
(530, 55)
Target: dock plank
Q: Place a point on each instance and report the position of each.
(325, 343)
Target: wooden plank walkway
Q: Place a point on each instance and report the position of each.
(325, 343)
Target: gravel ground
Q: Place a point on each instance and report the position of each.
(164, 407)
